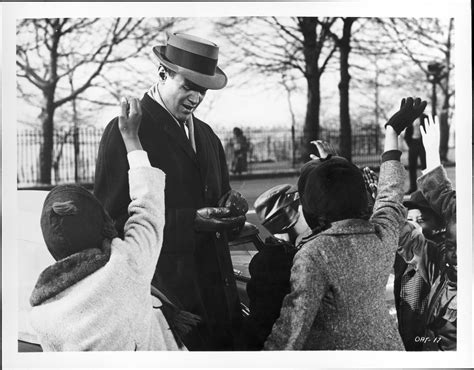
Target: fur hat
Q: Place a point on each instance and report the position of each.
(73, 220)
(332, 189)
(277, 208)
(418, 201)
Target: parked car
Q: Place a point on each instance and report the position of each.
(34, 258)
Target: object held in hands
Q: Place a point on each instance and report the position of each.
(234, 201)
(216, 219)
(410, 109)
(325, 150)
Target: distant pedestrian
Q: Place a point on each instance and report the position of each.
(239, 151)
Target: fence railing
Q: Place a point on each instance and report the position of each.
(75, 151)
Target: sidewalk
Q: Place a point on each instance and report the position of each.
(259, 170)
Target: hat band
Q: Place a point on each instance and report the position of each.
(191, 61)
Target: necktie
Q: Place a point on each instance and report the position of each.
(181, 124)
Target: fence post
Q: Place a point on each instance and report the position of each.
(76, 153)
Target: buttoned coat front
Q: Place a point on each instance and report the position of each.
(194, 269)
(338, 280)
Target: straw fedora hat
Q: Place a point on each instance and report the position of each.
(194, 58)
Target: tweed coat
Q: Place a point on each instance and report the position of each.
(110, 309)
(194, 269)
(338, 279)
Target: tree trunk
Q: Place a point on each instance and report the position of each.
(312, 74)
(46, 155)
(444, 130)
(444, 116)
(47, 113)
(345, 144)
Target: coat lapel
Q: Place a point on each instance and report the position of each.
(161, 117)
(201, 149)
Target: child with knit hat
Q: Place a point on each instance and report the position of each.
(339, 274)
(96, 296)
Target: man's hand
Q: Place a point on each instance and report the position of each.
(430, 134)
(234, 201)
(129, 123)
(325, 150)
(409, 111)
(216, 219)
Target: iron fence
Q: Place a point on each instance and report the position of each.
(75, 151)
(278, 146)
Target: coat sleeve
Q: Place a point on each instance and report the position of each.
(143, 231)
(417, 251)
(438, 191)
(308, 286)
(111, 175)
(389, 214)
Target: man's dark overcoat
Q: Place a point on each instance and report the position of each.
(194, 269)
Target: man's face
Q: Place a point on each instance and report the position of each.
(426, 220)
(181, 96)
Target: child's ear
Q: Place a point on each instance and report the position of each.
(64, 208)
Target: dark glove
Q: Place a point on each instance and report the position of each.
(216, 219)
(233, 200)
(409, 111)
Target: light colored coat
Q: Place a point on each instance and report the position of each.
(112, 308)
(338, 280)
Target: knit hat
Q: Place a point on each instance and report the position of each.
(277, 208)
(73, 220)
(332, 189)
(417, 201)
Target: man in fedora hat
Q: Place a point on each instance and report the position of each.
(194, 269)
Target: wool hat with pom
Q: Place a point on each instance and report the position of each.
(332, 189)
(73, 220)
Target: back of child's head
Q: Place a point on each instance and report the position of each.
(332, 190)
(73, 220)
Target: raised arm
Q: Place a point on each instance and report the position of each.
(143, 231)
(434, 183)
(388, 213)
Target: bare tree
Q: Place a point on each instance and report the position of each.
(428, 43)
(50, 51)
(343, 43)
(273, 45)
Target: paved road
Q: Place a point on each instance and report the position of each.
(252, 188)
